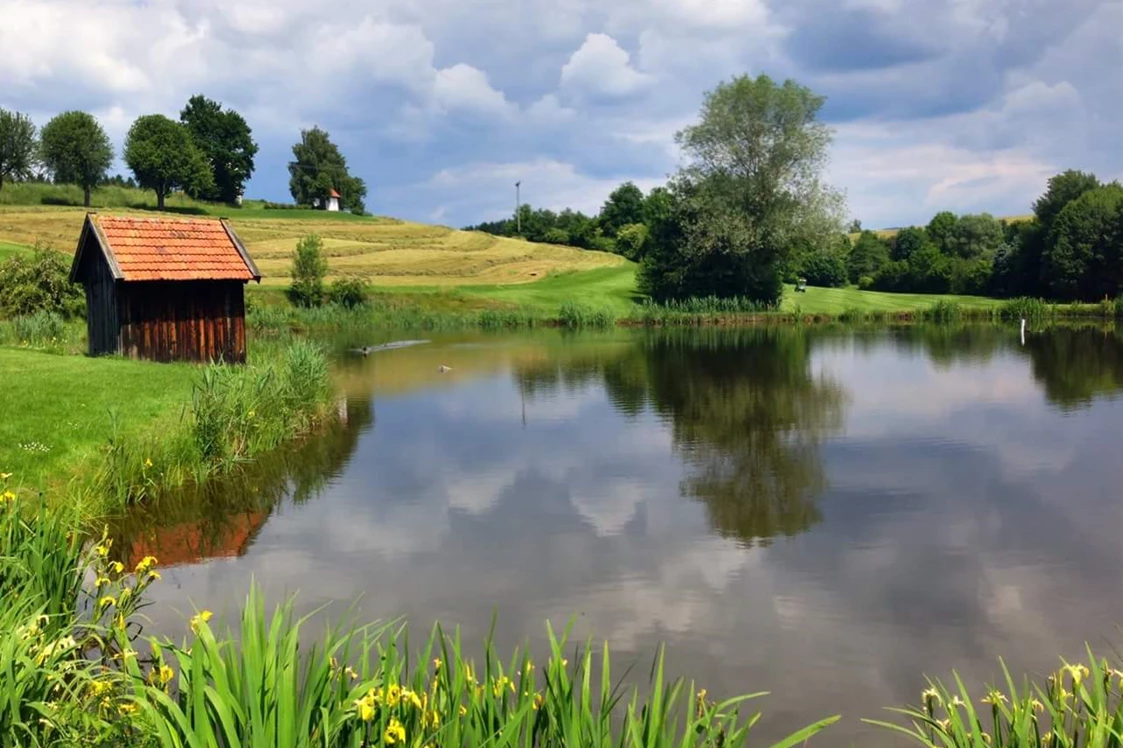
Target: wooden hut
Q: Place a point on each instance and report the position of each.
(165, 289)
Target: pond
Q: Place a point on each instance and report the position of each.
(827, 514)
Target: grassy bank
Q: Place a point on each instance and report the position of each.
(118, 431)
(78, 671)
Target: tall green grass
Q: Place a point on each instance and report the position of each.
(363, 686)
(59, 637)
(579, 316)
(235, 413)
(44, 331)
(1079, 706)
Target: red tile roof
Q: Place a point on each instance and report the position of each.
(149, 249)
(335, 194)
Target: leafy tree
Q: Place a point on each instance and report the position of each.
(226, 142)
(929, 271)
(630, 240)
(1084, 250)
(975, 236)
(163, 157)
(869, 255)
(624, 207)
(76, 149)
(823, 268)
(907, 241)
(941, 230)
(556, 236)
(580, 228)
(17, 146)
(855, 227)
(744, 196)
(308, 270)
(1062, 189)
(318, 168)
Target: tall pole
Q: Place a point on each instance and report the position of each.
(518, 203)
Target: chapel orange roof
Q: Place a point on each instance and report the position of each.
(335, 194)
(176, 249)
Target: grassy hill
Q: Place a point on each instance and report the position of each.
(385, 251)
(431, 266)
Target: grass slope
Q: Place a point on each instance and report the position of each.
(385, 251)
(64, 403)
(838, 300)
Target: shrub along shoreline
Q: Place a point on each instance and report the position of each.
(284, 320)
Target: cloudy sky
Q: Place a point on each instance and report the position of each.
(441, 105)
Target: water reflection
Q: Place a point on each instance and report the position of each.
(746, 417)
(828, 514)
(1077, 365)
(221, 519)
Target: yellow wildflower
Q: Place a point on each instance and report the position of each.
(153, 575)
(98, 687)
(350, 673)
(956, 701)
(7, 497)
(199, 619)
(252, 413)
(432, 718)
(166, 674)
(148, 462)
(119, 621)
(412, 698)
(393, 695)
(1037, 706)
(463, 710)
(395, 733)
(145, 564)
(106, 601)
(994, 698)
(5, 476)
(539, 700)
(127, 708)
(931, 695)
(117, 567)
(101, 581)
(437, 664)
(365, 708)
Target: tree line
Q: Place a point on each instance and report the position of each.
(748, 210)
(1069, 249)
(208, 154)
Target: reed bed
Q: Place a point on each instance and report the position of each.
(235, 413)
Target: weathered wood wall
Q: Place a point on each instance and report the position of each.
(183, 320)
(102, 323)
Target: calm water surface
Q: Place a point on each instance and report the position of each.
(823, 514)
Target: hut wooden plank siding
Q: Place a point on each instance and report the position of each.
(164, 289)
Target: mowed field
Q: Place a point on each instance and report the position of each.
(385, 251)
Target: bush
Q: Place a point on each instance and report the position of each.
(865, 283)
(824, 269)
(350, 291)
(308, 270)
(39, 282)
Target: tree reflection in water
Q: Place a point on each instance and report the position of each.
(745, 411)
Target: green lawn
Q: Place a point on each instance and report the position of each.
(612, 287)
(615, 288)
(8, 249)
(838, 300)
(56, 409)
